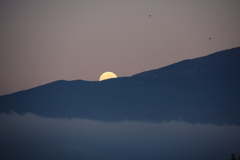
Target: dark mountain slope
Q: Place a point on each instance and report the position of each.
(205, 90)
(222, 61)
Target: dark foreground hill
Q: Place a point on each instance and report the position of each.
(205, 90)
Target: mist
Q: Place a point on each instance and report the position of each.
(30, 136)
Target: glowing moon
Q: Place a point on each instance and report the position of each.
(107, 75)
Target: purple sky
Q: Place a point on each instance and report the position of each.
(47, 40)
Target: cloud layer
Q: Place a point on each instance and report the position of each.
(32, 137)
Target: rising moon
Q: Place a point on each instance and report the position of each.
(107, 75)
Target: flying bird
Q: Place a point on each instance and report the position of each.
(150, 15)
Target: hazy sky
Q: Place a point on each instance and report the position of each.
(46, 40)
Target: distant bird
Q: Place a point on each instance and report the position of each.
(209, 38)
(150, 15)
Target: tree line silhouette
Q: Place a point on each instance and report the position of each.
(234, 158)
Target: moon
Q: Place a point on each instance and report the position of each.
(107, 75)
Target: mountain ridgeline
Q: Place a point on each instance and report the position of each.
(201, 90)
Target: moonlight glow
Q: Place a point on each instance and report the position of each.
(107, 75)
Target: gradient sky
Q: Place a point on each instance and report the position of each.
(46, 40)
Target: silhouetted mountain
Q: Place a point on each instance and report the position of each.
(205, 90)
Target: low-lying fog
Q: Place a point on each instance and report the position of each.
(28, 137)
